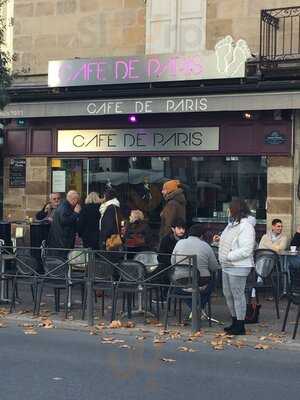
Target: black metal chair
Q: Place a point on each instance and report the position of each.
(26, 273)
(132, 273)
(266, 275)
(293, 296)
(181, 278)
(150, 260)
(56, 277)
(103, 280)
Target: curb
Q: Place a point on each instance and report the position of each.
(251, 340)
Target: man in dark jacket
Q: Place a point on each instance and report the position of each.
(167, 244)
(46, 213)
(63, 228)
(174, 208)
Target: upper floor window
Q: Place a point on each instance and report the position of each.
(175, 26)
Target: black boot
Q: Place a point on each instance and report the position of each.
(227, 328)
(238, 328)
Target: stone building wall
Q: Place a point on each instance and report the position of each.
(60, 29)
(20, 203)
(238, 18)
(280, 192)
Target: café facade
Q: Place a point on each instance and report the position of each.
(133, 123)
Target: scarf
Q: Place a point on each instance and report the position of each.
(115, 202)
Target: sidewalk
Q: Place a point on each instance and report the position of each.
(266, 334)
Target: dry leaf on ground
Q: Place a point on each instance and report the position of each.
(128, 324)
(125, 346)
(261, 346)
(140, 338)
(115, 324)
(158, 341)
(47, 324)
(168, 360)
(3, 325)
(218, 347)
(30, 332)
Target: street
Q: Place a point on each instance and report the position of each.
(71, 365)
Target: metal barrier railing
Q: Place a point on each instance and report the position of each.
(70, 259)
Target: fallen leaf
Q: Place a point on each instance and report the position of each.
(128, 324)
(158, 341)
(198, 334)
(218, 347)
(115, 324)
(238, 343)
(108, 339)
(30, 332)
(27, 325)
(47, 324)
(261, 346)
(3, 325)
(263, 338)
(140, 338)
(124, 346)
(183, 349)
(168, 360)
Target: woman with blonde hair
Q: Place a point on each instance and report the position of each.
(138, 235)
(88, 223)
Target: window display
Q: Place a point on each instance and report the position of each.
(210, 183)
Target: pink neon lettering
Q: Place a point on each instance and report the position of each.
(78, 72)
(131, 68)
(63, 70)
(153, 68)
(121, 65)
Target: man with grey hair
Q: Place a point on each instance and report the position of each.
(64, 225)
(46, 213)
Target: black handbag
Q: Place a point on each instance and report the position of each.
(252, 313)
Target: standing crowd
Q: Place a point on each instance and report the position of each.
(100, 226)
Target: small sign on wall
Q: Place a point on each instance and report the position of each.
(58, 181)
(17, 173)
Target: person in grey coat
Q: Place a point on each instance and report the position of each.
(206, 260)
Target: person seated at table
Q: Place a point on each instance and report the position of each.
(169, 241)
(165, 250)
(296, 238)
(46, 213)
(274, 239)
(206, 261)
(137, 233)
(294, 260)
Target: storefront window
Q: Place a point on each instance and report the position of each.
(210, 183)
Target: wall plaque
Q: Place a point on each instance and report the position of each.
(139, 140)
(17, 173)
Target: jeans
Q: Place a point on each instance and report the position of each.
(205, 293)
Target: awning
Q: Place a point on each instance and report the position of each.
(184, 104)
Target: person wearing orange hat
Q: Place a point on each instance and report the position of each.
(175, 206)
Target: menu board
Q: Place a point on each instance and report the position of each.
(17, 173)
(58, 181)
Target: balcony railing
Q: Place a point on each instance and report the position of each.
(280, 39)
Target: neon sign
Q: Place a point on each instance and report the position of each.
(227, 60)
(124, 70)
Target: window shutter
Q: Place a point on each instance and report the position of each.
(191, 25)
(161, 26)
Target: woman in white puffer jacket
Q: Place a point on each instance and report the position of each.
(236, 248)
